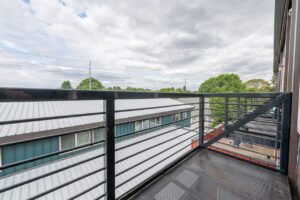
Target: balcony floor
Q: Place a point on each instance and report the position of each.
(209, 175)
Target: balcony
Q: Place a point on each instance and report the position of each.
(117, 145)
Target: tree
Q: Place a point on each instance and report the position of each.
(221, 84)
(85, 84)
(66, 85)
(172, 89)
(258, 85)
(133, 89)
(273, 83)
(114, 88)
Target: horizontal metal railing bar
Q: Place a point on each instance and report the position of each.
(126, 181)
(261, 129)
(242, 95)
(122, 172)
(234, 104)
(49, 173)
(100, 197)
(26, 94)
(51, 136)
(158, 144)
(252, 143)
(258, 135)
(155, 127)
(222, 116)
(229, 110)
(154, 136)
(49, 118)
(250, 157)
(149, 108)
(244, 149)
(211, 121)
(263, 121)
(67, 183)
(172, 165)
(49, 155)
(212, 128)
(88, 190)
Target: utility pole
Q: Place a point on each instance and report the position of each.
(184, 85)
(90, 75)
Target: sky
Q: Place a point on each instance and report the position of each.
(137, 43)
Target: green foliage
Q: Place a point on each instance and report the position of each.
(85, 84)
(172, 89)
(114, 88)
(133, 89)
(273, 83)
(66, 85)
(258, 85)
(222, 83)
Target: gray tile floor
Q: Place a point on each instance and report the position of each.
(209, 175)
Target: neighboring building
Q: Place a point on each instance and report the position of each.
(39, 137)
(287, 70)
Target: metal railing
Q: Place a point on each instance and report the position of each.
(253, 127)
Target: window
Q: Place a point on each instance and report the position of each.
(176, 117)
(67, 141)
(138, 125)
(154, 122)
(83, 138)
(98, 134)
(146, 124)
(183, 115)
(74, 140)
(0, 158)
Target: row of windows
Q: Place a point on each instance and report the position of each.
(86, 137)
(81, 138)
(150, 123)
(179, 116)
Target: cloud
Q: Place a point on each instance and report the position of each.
(150, 44)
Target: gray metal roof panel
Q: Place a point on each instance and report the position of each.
(51, 181)
(29, 110)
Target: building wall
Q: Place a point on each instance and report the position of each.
(22, 151)
(289, 74)
(26, 150)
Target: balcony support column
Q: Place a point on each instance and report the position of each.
(285, 135)
(109, 106)
(201, 119)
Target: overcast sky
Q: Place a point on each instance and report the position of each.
(150, 44)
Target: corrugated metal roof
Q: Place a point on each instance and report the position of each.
(32, 110)
(43, 184)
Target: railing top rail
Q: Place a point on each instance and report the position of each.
(28, 94)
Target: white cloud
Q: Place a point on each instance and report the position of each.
(148, 44)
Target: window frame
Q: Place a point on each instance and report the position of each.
(91, 139)
(60, 141)
(93, 135)
(0, 159)
(76, 138)
(141, 125)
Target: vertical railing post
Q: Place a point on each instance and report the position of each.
(245, 105)
(239, 107)
(110, 148)
(201, 120)
(226, 113)
(285, 135)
